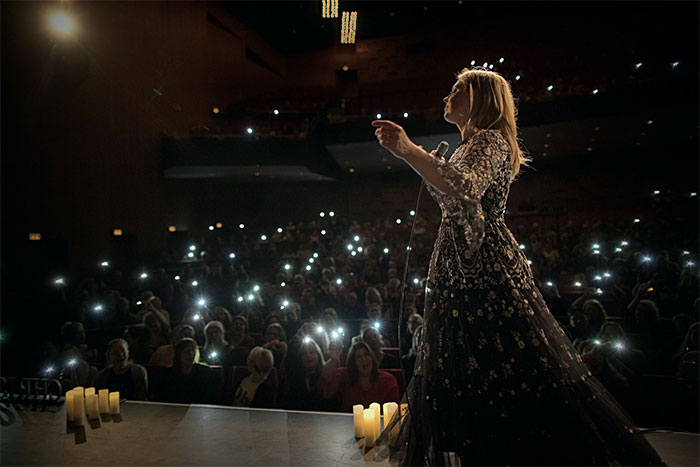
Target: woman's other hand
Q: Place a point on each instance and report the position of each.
(394, 138)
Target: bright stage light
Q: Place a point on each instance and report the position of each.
(62, 24)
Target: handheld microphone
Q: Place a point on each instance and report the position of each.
(442, 150)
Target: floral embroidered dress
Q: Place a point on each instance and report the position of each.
(496, 380)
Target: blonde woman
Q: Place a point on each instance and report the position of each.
(496, 380)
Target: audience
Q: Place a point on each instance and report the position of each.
(187, 382)
(255, 390)
(360, 381)
(122, 375)
(630, 317)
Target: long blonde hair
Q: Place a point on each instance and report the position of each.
(492, 107)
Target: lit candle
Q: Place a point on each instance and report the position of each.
(114, 403)
(358, 420)
(78, 408)
(69, 405)
(89, 391)
(91, 406)
(377, 418)
(370, 436)
(390, 409)
(104, 400)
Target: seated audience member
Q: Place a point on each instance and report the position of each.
(595, 311)
(364, 324)
(165, 354)
(579, 326)
(688, 347)
(596, 358)
(187, 382)
(158, 329)
(647, 338)
(255, 390)
(626, 359)
(130, 379)
(276, 342)
(240, 342)
(303, 366)
(372, 338)
(256, 322)
(223, 316)
(75, 353)
(137, 337)
(197, 318)
(360, 381)
(215, 346)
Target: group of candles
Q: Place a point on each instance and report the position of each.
(368, 422)
(81, 401)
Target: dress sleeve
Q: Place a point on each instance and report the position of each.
(469, 176)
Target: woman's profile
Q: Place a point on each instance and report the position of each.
(496, 381)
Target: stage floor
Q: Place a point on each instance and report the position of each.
(150, 433)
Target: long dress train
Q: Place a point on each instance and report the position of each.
(496, 380)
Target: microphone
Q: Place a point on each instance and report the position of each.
(442, 150)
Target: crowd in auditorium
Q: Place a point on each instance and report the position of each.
(310, 320)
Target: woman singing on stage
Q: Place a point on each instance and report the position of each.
(496, 380)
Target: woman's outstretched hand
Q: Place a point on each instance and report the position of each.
(394, 138)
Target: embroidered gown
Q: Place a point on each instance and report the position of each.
(496, 380)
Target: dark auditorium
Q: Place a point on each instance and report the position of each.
(330, 232)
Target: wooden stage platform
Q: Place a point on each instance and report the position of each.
(150, 433)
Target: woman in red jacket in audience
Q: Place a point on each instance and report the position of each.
(360, 381)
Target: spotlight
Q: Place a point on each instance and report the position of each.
(279, 229)
(232, 255)
(376, 325)
(322, 214)
(211, 227)
(276, 112)
(339, 281)
(405, 115)
(201, 302)
(307, 339)
(577, 284)
(61, 23)
(256, 288)
(379, 116)
(144, 275)
(263, 237)
(239, 299)
(98, 308)
(59, 281)
(177, 278)
(287, 267)
(195, 283)
(249, 130)
(192, 247)
(331, 214)
(398, 221)
(241, 226)
(104, 264)
(386, 250)
(323, 232)
(356, 238)
(319, 329)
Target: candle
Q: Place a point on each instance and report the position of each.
(89, 391)
(104, 400)
(91, 406)
(377, 418)
(80, 391)
(78, 408)
(358, 420)
(390, 409)
(370, 436)
(114, 403)
(69, 405)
